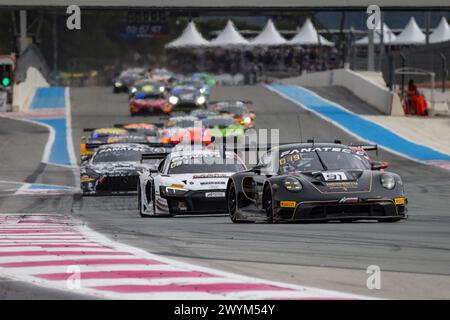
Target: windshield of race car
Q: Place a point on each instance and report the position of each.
(322, 158)
(182, 123)
(217, 122)
(204, 164)
(118, 154)
(234, 109)
(149, 96)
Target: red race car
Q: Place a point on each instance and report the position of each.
(186, 129)
(150, 98)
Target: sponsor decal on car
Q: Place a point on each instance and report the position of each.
(215, 194)
(340, 185)
(399, 201)
(288, 204)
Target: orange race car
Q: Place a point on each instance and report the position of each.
(186, 129)
(239, 109)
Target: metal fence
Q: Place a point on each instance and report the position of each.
(432, 58)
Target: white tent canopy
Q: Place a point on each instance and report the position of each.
(388, 36)
(309, 36)
(410, 35)
(441, 33)
(269, 36)
(229, 37)
(190, 38)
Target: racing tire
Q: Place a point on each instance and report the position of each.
(140, 202)
(232, 203)
(268, 204)
(389, 220)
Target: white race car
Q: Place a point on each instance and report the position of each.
(190, 181)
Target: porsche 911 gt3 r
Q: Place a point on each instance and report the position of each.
(314, 182)
(189, 181)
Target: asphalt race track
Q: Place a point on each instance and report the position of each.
(413, 255)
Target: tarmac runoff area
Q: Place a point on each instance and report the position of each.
(429, 131)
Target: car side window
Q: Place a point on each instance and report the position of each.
(161, 166)
(265, 163)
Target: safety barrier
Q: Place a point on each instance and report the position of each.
(367, 90)
(24, 91)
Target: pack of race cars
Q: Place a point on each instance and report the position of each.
(184, 165)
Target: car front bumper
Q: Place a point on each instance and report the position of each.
(196, 202)
(334, 210)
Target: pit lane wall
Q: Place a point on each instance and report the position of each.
(364, 88)
(25, 90)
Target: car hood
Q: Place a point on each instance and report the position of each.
(339, 180)
(125, 167)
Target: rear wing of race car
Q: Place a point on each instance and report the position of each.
(95, 145)
(122, 125)
(366, 147)
(227, 144)
(235, 100)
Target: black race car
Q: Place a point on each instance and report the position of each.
(315, 182)
(115, 168)
(124, 80)
(187, 98)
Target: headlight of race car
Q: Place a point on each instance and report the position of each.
(86, 178)
(118, 84)
(169, 191)
(292, 184)
(161, 89)
(173, 100)
(388, 181)
(246, 120)
(201, 100)
(133, 90)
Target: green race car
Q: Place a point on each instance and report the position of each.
(223, 126)
(206, 78)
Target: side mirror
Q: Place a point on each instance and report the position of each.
(160, 167)
(379, 165)
(84, 159)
